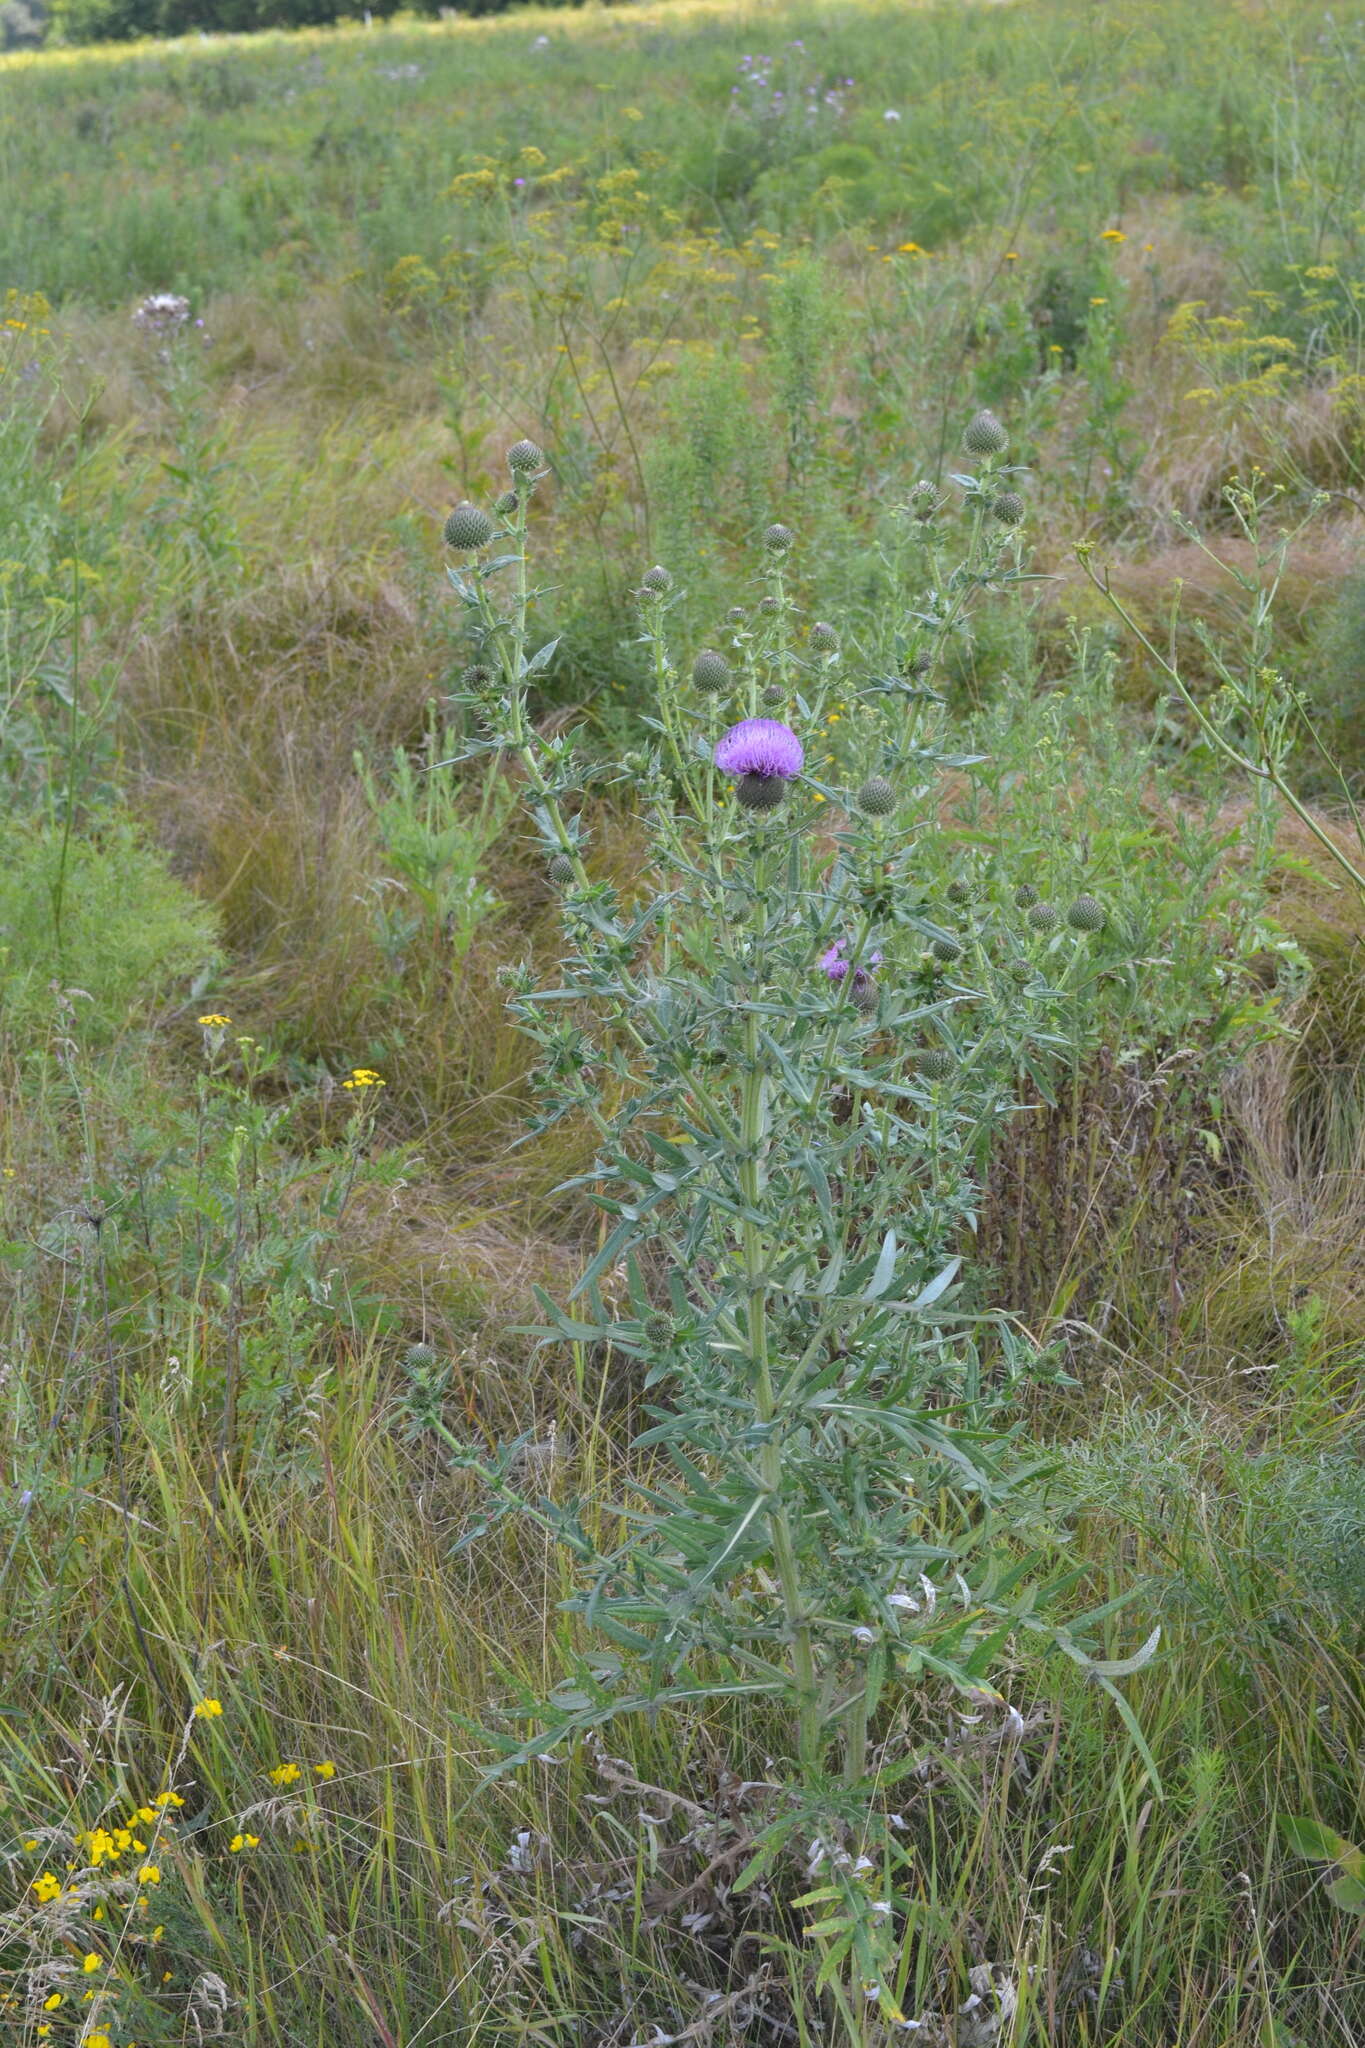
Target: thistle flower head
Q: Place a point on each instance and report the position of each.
(656, 581)
(877, 797)
(1086, 915)
(561, 869)
(763, 747)
(1008, 508)
(935, 1063)
(823, 638)
(710, 671)
(985, 435)
(1044, 917)
(524, 458)
(922, 502)
(773, 693)
(779, 539)
(1025, 896)
(468, 527)
(506, 505)
(946, 950)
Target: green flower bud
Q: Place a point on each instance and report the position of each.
(736, 615)
(779, 540)
(477, 678)
(656, 581)
(946, 950)
(1008, 508)
(935, 1063)
(506, 505)
(419, 1358)
(985, 435)
(710, 671)
(1086, 915)
(919, 665)
(760, 792)
(658, 1329)
(960, 892)
(468, 527)
(1044, 917)
(769, 607)
(877, 797)
(1020, 971)
(923, 500)
(773, 693)
(524, 458)
(561, 869)
(823, 638)
(1025, 896)
(863, 994)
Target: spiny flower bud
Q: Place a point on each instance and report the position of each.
(946, 950)
(923, 500)
(935, 1063)
(985, 435)
(710, 671)
(779, 539)
(561, 868)
(477, 678)
(506, 505)
(760, 792)
(960, 892)
(823, 638)
(863, 994)
(919, 665)
(419, 1358)
(656, 581)
(877, 797)
(1020, 971)
(769, 607)
(736, 615)
(1086, 915)
(524, 458)
(468, 527)
(658, 1329)
(773, 693)
(1025, 896)
(1044, 917)
(1008, 508)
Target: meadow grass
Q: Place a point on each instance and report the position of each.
(241, 1304)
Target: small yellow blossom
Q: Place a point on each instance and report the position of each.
(164, 1799)
(51, 2004)
(285, 1774)
(149, 1874)
(325, 1770)
(363, 1077)
(47, 1887)
(1113, 235)
(207, 1710)
(910, 249)
(243, 1842)
(1011, 256)
(1099, 302)
(215, 1021)
(92, 1962)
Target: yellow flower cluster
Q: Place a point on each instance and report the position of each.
(363, 1077)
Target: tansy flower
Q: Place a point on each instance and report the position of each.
(363, 1077)
(214, 1021)
(205, 1710)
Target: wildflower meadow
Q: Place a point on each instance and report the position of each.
(682, 1027)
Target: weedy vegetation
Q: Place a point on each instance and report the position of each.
(682, 1031)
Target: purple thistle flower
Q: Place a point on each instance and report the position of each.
(836, 966)
(763, 755)
(760, 746)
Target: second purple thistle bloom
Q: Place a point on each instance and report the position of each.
(764, 756)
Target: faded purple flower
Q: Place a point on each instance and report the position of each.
(760, 746)
(836, 966)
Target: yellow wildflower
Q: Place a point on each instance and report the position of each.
(284, 1774)
(51, 2004)
(215, 1021)
(92, 1962)
(149, 1874)
(1113, 235)
(207, 1710)
(325, 1770)
(243, 1842)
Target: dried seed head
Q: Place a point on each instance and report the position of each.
(468, 527)
(524, 458)
(877, 797)
(985, 435)
(779, 540)
(1086, 915)
(710, 671)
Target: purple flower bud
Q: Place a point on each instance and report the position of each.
(760, 746)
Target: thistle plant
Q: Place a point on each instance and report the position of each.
(793, 1056)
